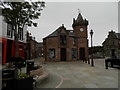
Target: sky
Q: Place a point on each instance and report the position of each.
(102, 17)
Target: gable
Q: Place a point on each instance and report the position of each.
(62, 31)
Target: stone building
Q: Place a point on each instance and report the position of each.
(32, 47)
(40, 49)
(67, 45)
(111, 45)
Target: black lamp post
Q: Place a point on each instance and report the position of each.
(91, 34)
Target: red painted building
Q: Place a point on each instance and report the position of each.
(3, 43)
(8, 43)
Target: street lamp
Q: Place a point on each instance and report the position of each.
(91, 34)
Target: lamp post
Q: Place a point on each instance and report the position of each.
(91, 34)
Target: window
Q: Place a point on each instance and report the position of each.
(74, 53)
(20, 34)
(51, 53)
(63, 39)
(112, 42)
(74, 41)
(9, 30)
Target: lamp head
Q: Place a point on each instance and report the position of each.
(91, 32)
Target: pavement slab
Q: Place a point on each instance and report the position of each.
(78, 74)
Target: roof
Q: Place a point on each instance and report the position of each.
(79, 21)
(40, 44)
(79, 18)
(70, 33)
(55, 33)
(118, 35)
(112, 34)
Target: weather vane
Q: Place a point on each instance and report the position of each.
(79, 11)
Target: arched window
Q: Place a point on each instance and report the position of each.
(63, 39)
(51, 53)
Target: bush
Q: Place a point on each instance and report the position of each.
(23, 75)
(10, 65)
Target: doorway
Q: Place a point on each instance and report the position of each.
(82, 53)
(113, 53)
(63, 54)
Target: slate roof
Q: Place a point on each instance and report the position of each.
(71, 33)
(118, 35)
(40, 44)
(55, 33)
(79, 18)
(79, 21)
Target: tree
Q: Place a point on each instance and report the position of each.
(96, 49)
(21, 14)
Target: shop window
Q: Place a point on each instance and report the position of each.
(74, 53)
(51, 53)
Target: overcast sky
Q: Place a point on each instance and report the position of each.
(102, 17)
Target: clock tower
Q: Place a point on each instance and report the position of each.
(80, 30)
(80, 26)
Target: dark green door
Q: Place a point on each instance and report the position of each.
(82, 53)
(63, 54)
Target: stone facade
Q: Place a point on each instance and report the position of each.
(111, 45)
(67, 45)
(32, 47)
(40, 49)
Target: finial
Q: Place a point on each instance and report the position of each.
(73, 20)
(63, 25)
(33, 38)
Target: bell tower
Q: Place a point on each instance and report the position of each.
(80, 30)
(80, 26)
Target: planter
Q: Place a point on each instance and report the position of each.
(7, 84)
(8, 72)
(25, 83)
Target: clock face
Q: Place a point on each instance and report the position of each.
(81, 29)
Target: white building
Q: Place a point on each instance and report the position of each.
(8, 43)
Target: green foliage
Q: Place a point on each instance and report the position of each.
(23, 75)
(22, 13)
(19, 14)
(96, 49)
(10, 65)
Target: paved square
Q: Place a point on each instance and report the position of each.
(79, 75)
